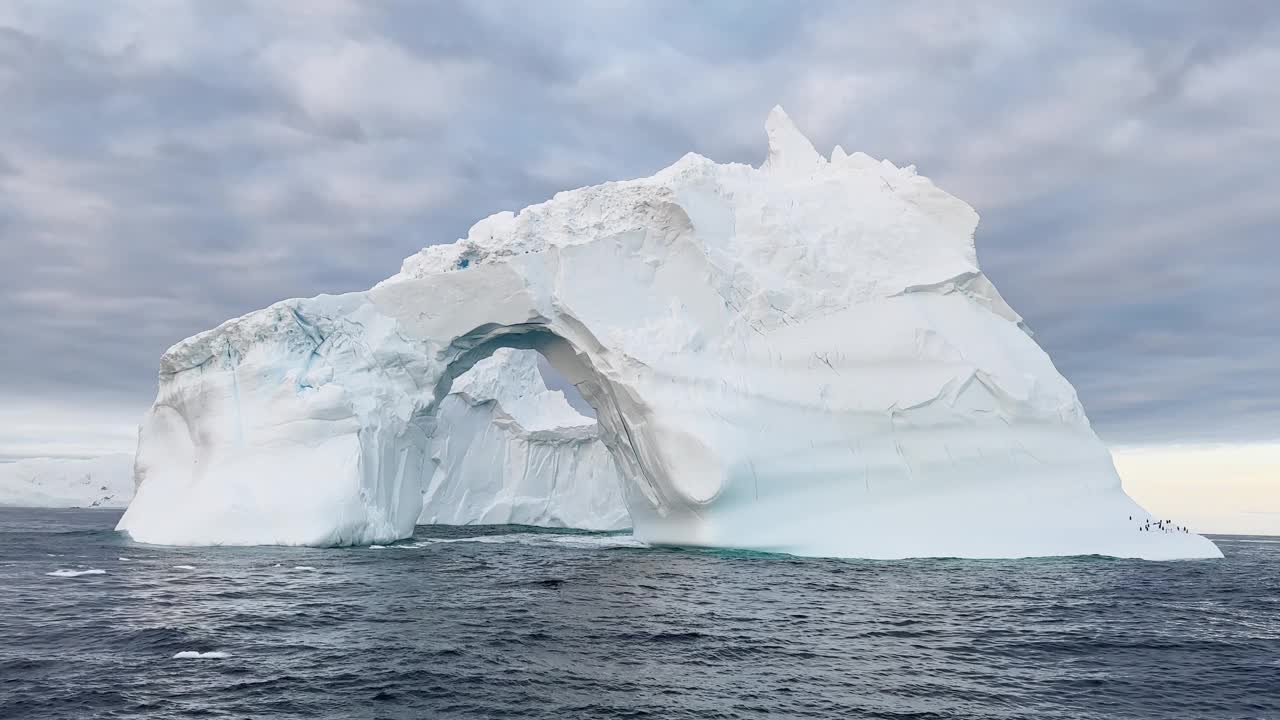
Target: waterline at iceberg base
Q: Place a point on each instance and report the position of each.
(803, 357)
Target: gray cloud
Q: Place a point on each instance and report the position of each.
(166, 166)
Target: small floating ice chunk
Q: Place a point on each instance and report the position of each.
(377, 547)
(193, 655)
(307, 568)
(124, 559)
(184, 567)
(75, 573)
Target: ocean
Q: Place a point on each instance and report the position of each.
(506, 622)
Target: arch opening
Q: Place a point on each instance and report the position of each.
(505, 448)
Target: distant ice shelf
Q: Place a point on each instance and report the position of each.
(803, 357)
(105, 481)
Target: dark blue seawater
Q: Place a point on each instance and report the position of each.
(516, 623)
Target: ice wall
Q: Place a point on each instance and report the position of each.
(803, 357)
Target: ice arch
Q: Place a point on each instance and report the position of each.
(803, 357)
(483, 342)
(509, 450)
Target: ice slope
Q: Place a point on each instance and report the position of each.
(509, 451)
(803, 357)
(105, 481)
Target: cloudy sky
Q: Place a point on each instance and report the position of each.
(167, 165)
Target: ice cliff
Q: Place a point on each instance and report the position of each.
(802, 357)
(105, 481)
(509, 451)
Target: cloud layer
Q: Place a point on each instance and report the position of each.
(165, 166)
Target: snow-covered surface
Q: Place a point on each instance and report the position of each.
(803, 357)
(105, 481)
(509, 451)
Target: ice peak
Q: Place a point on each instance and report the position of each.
(789, 149)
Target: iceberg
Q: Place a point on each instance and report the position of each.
(105, 482)
(509, 451)
(803, 357)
